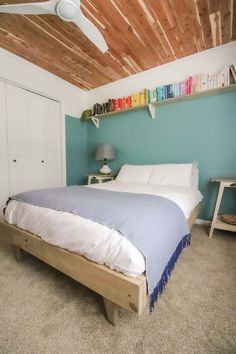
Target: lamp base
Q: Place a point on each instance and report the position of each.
(105, 169)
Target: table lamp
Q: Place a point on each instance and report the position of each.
(105, 152)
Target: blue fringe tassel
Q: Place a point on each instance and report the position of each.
(167, 271)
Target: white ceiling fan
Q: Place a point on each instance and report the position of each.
(67, 10)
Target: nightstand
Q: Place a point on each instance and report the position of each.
(100, 178)
(217, 222)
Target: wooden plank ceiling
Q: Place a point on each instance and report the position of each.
(140, 34)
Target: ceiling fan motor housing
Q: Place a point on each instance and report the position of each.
(67, 9)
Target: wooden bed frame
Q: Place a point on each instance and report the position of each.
(116, 288)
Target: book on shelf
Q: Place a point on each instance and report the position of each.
(121, 103)
(204, 82)
(154, 95)
(181, 88)
(226, 76)
(193, 86)
(146, 95)
(135, 99)
(141, 99)
(97, 109)
(115, 104)
(232, 74)
(110, 105)
(190, 85)
(186, 87)
(169, 91)
(150, 95)
(161, 93)
(132, 101)
(128, 102)
(176, 89)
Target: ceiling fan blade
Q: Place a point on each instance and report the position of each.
(37, 8)
(91, 31)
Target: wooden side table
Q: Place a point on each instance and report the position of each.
(217, 223)
(100, 178)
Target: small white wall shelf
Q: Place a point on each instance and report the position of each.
(152, 106)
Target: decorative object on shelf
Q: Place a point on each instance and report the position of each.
(105, 152)
(86, 114)
(229, 218)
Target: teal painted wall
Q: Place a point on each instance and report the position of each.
(202, 130)
(76, 151)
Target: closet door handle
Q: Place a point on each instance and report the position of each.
(42, 161)
(14, 160)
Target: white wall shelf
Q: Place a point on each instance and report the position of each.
(152, 106)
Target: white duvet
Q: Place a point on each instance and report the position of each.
(90, 239)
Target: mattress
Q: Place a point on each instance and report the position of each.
(90, 239)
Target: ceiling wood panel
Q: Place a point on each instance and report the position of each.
(140, 34)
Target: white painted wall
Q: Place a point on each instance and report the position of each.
(26, 74)
(21, 72)
(210, 61)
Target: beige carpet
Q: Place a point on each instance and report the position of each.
(43, 311)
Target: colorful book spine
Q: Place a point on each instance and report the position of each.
(169, 91)
(233, 73)
(146, 95)
(154, 93)
(190, 84)
(121, 104)
(209, 81)
(115, 104)
(141, 99)
(136, 98)
(163, 96)
(133, 100)
(150, 96)
(176, 89)
(226, 76)
(128, 102)
(182, 88)
(186, 87)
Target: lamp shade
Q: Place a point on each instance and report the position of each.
(105, 151)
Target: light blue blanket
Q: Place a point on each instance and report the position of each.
(155, 225)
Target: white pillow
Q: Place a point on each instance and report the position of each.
(134, 173)
(172, 174)
(195, 175)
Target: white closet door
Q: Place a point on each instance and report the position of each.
(52, 145)
(28, 118)
(45, 137)
(4, 177)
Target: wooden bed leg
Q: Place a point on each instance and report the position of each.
(19, 254)
(111, 311)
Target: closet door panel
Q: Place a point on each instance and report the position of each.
(4, 176)
(25, 175)
(36, 111)
(53, 163)
(18, 139)
(34, 141)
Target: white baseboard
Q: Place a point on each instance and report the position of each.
(202, 222)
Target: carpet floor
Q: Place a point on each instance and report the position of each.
(44, 312)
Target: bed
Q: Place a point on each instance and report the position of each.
(119, 284)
